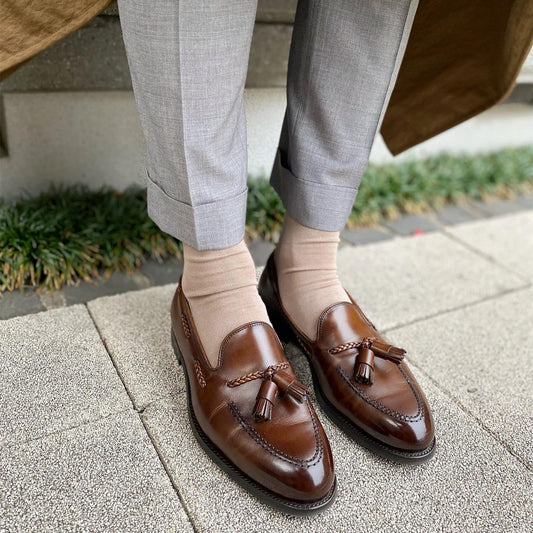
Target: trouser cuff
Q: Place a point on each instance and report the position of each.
(316, 205)
(211, 226)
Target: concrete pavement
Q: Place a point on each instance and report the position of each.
(94, 434)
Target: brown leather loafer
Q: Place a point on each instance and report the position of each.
(252, 416)
(361, 381)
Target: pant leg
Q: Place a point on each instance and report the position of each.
(343, 64)
(188, 61)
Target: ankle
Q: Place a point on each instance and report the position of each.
(208, 271)
(221, 288)
(306, 264)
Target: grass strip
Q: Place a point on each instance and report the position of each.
(70, 233)
(67, 234)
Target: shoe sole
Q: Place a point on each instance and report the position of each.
(285, 505)
(286, 334)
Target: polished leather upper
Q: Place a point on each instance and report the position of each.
(393, 409)
(289, 454)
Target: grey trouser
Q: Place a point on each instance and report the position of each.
(188, 61)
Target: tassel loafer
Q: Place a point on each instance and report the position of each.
(253, 417)
(361, 381)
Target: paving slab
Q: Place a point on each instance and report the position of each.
(496, 208)
(116, 283)
(482, 356)
(104, 476)
(526, 201)
(16, 304)
(409, 224)
(55, 374)
(406, 279)
(457, 214)
(508, 240)
(365, 235)
(168, 271)
(472, 484)
(136, 329)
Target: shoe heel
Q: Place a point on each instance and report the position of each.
(176, 348)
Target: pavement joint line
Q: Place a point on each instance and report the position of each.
(525, 287)
(482, 254)
(166, 398)
(104, 343)
(478, 420)
(168, 472)
(63, 430)
(154, 444)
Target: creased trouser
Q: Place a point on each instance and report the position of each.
(188, 61)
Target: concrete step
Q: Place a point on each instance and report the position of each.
(93, 58)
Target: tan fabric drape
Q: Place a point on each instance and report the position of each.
(462, 56)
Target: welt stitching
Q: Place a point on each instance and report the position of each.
(303, 345)
(199, 373)
(258, 374)
(275, 451)
(344, 347)
(305, 463)
(185, 325)
(378, 405)
(413, 390)
(375, 403)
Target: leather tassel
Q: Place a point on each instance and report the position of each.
(290, 385)
(265, 400)
(388, 351)
(297, 390)
(364, 366)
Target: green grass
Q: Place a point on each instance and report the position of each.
(71, 233)
(417, 186)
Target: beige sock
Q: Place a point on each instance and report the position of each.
(221, 288)
(306, 262)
